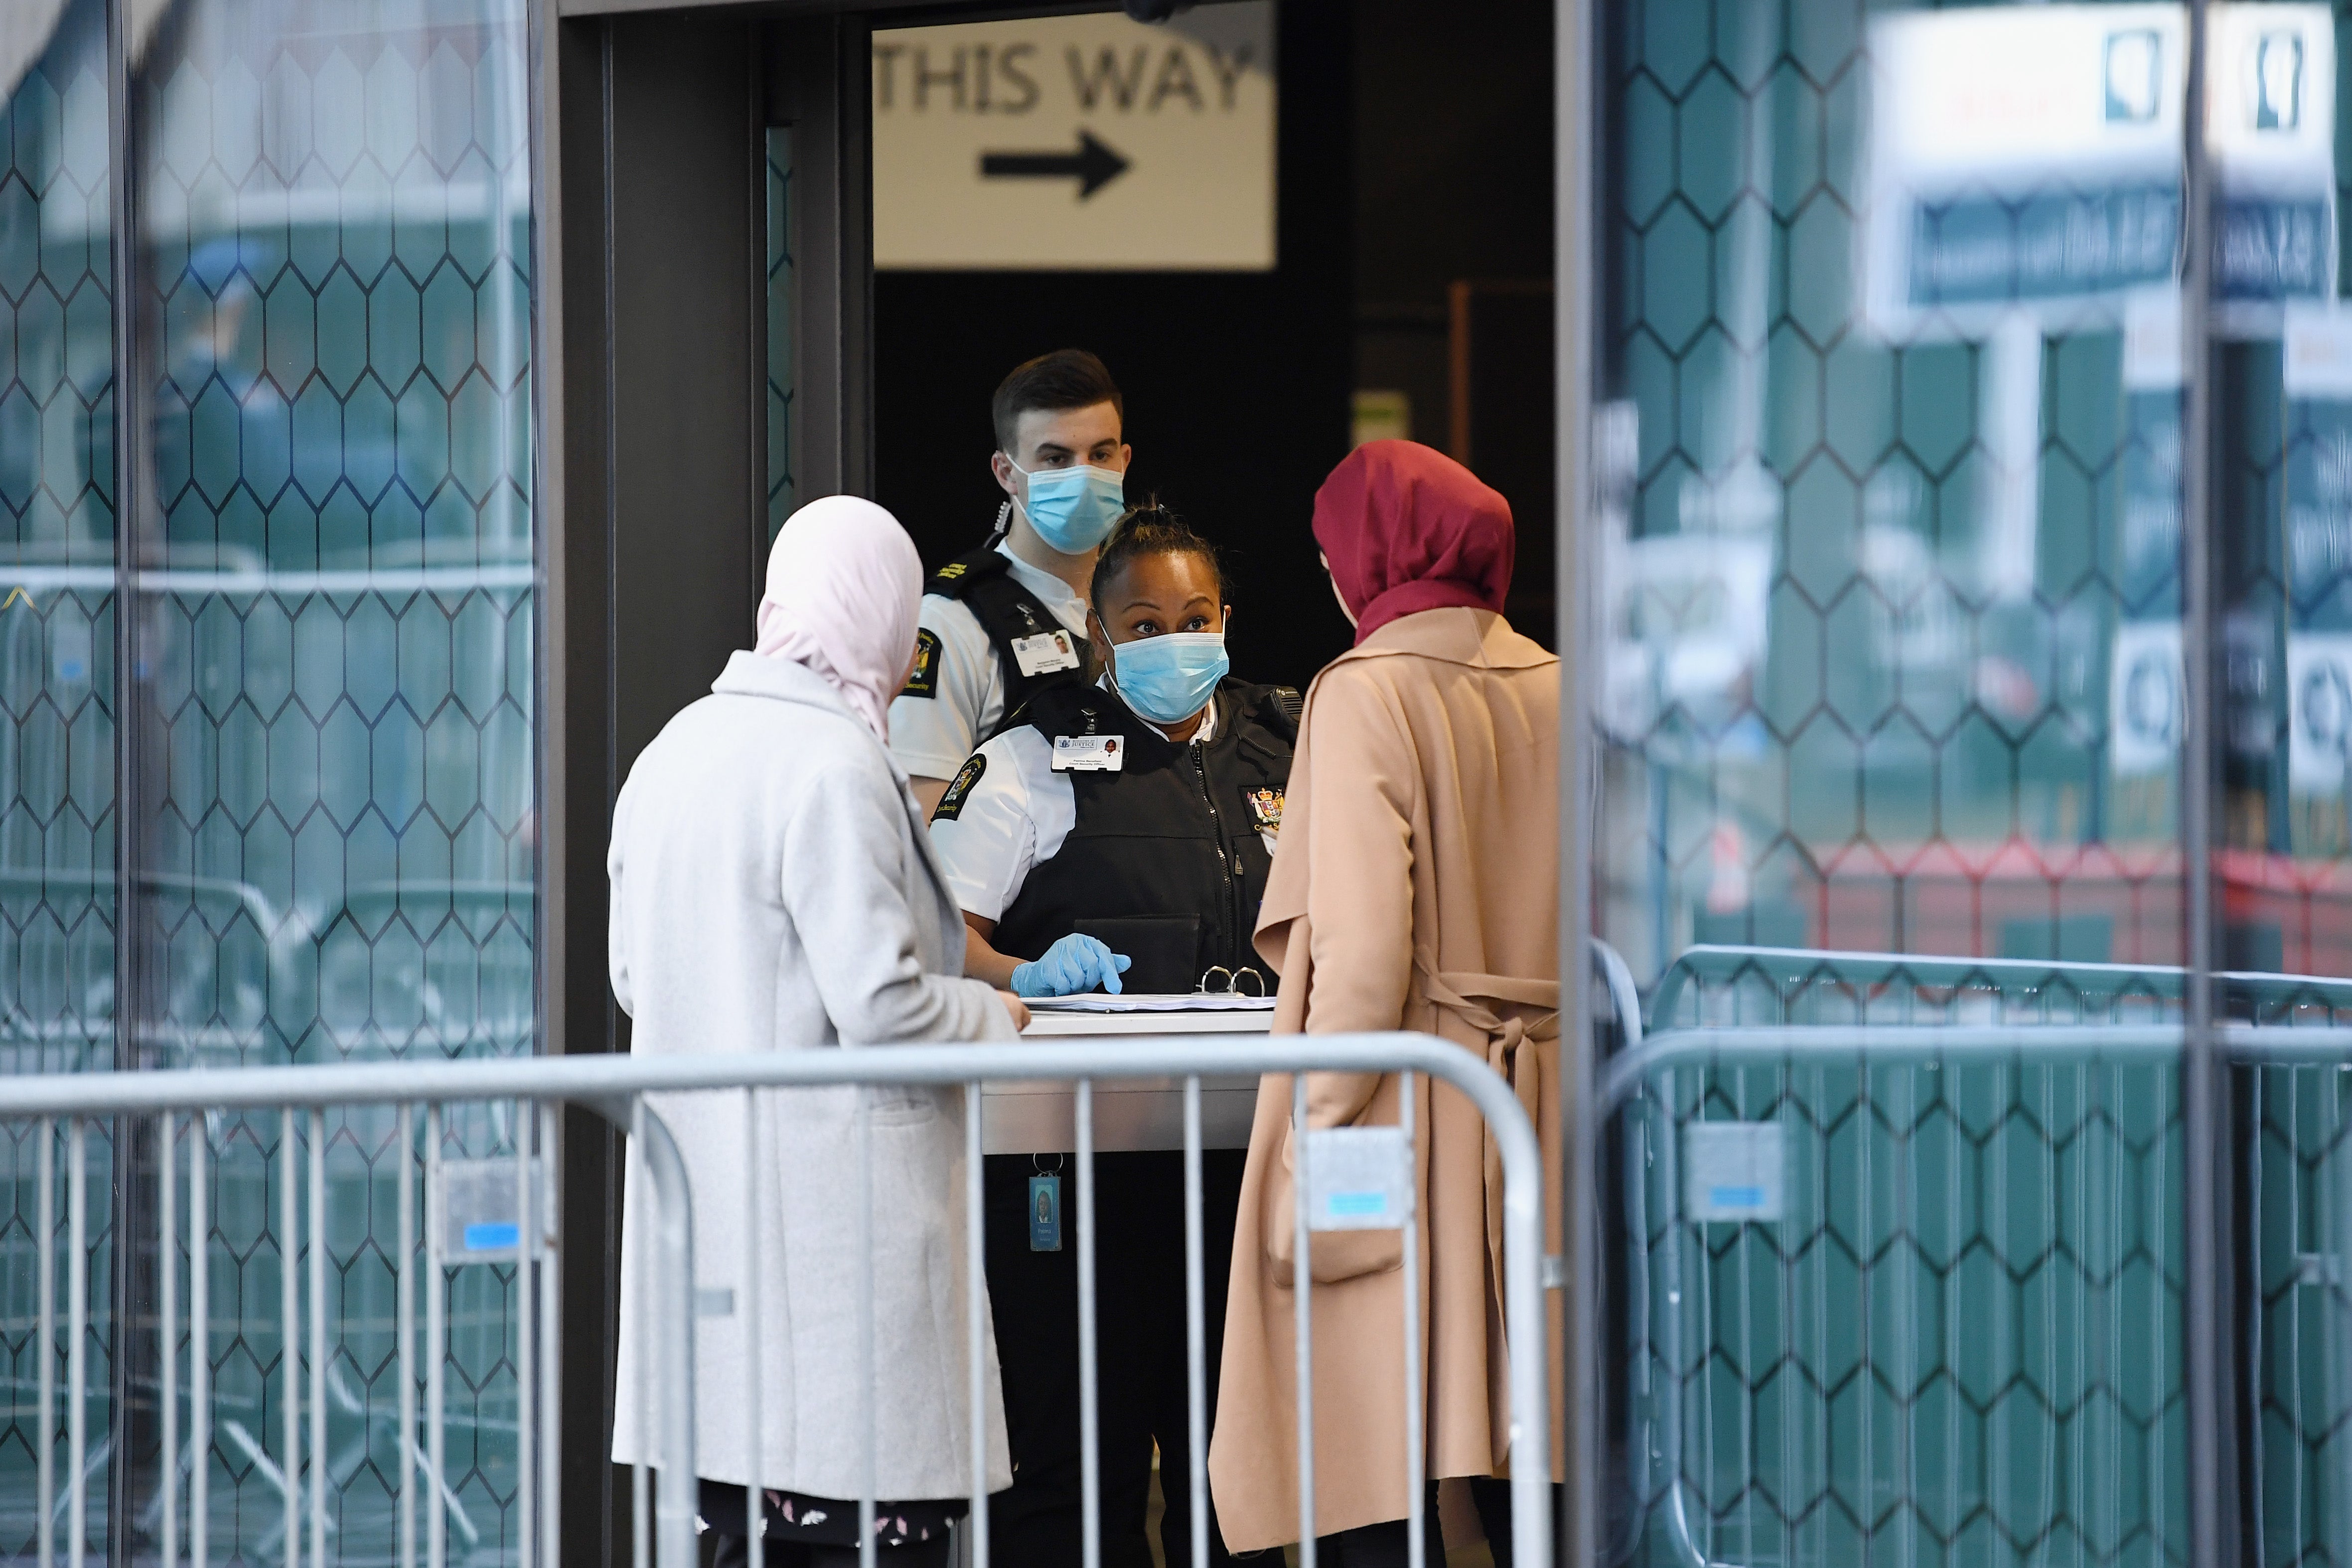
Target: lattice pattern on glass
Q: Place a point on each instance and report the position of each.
(1850, 702)
(339, 668)
(57, 555)
(57, 711)
(335, 692)
(1955, 1342)
(252, 1376)
(2300, 1310)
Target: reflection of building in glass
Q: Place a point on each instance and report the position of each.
(334, 648)
(2278, 77)
(1953, 720)
(1940, 712)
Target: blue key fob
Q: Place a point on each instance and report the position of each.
(1045, 1214)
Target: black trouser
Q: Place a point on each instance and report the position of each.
(734, 1552)
(726, 1543)
(1140, 1345)
(1384, 1546)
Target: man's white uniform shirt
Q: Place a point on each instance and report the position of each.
(1013, 818)
(930, 736)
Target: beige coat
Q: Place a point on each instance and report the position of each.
(1416, 885)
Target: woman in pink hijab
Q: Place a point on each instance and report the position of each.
(844, 583)
(773, 889)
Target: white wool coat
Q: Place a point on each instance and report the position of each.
(773, 889)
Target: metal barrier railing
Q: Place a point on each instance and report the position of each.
(508, 1211)
(1903, 1279)
(1768, 986)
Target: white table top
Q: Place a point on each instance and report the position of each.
(1069, 1023)
(1131, 1115)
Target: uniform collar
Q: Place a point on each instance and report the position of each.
(1477, 638)
(1052, 593)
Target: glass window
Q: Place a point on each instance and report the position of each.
(335, 670)
(335, 681)
(1896, 772)
(57, 689)
(57, 550)
(323, 837)
(1896, 843)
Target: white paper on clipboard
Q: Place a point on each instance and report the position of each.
(1147, 1002)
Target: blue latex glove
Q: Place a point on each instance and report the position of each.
(1073, 964)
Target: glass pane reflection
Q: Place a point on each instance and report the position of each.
(57, 550)
(57, 820)
(335, 688)
(336, 662)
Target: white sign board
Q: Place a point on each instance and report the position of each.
(1735, 1171)
(2319, 711)
(2146, 698)
(1077, 142)
(2027, 158)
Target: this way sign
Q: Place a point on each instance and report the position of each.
(1077, 142)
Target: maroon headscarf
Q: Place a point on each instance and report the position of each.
(1407, 528)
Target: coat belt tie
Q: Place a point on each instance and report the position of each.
(1464, 995)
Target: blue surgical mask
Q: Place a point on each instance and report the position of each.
(1168, 679)
(1073, 509)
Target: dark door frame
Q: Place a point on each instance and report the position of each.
(650, 341)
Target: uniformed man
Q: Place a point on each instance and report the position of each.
(1008, 620)
(1145, 805)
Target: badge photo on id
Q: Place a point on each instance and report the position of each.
(1046, 653)
(1045, 1213)
(1088, 753)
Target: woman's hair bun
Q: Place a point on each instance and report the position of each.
(1150, 528)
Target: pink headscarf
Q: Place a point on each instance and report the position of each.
(843, 585)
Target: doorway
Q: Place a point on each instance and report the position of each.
(733, 329)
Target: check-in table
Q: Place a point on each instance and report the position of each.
(1131, 1114)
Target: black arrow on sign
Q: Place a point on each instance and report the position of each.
(1094, 165)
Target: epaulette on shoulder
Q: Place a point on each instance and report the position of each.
(951, 580)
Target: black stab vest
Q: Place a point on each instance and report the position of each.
(1173, 833)
(982, 581)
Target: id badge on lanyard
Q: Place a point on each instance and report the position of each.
(1045, 1213)
(1046, 653)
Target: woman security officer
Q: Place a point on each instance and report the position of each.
(1144, 807)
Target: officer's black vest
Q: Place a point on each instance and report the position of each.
(984, 582)
(1175, 831)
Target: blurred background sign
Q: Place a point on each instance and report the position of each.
(2030, 161)
(1077, 142)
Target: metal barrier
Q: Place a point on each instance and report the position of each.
(1731, 985)
(504, 1211)
(1904, 1289)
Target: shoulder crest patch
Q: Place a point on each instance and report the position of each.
(923, 680)
(969, 774)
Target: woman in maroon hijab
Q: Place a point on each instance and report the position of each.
(1415, 886)
(1405, 528)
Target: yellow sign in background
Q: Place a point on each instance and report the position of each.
(1077, 142)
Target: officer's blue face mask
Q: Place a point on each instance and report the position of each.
(1073, 509)
(1167, 679)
